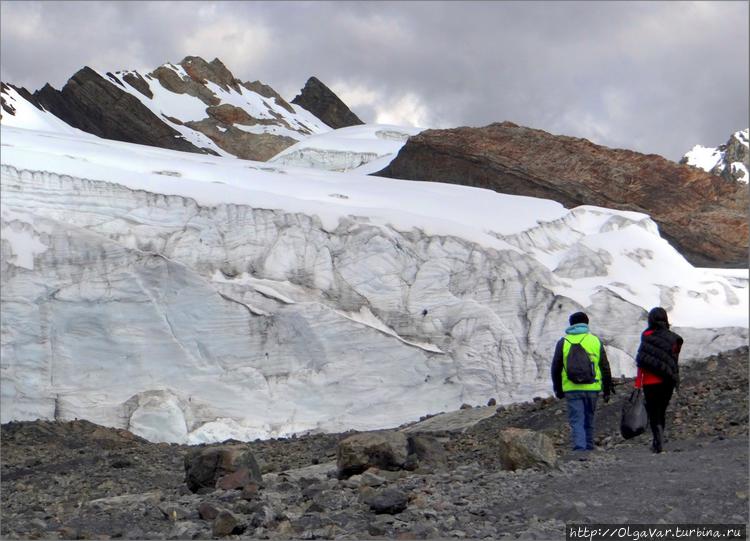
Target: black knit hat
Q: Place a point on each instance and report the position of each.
(578, 317)
(656, 316)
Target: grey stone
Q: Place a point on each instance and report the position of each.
(385, 450)
(225, 524)
(522, 448)
(388, 500)
(207, 511)
(205, 466)
(430, 452)
(371, 479)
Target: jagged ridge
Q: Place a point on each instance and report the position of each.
(194, 106)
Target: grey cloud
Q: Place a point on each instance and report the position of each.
(651, 76)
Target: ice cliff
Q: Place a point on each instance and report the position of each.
(196, 298)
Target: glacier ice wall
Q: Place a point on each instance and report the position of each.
(193, 323)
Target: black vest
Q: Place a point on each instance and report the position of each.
(657, 354)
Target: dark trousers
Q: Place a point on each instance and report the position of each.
(657, 398)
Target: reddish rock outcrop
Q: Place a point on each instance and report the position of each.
(268, 92)
(702, 215)
(215, 71)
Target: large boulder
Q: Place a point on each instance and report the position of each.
(386, 450)
(520, 448)
(428, 451)
(212, 466)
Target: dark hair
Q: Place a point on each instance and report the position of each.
(578, 317)
(657, 317)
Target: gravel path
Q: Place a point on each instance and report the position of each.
(78, 480)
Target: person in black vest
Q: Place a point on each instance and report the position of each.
(658, 371)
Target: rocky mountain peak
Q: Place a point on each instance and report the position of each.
(326, 105)
(215, 71)
(729, 161)
(193, 106)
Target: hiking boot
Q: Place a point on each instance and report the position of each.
(580, 455)
(659, 439)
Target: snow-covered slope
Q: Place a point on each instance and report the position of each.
(19, 112)
(367, 148)
(729, 160)
(195, 298)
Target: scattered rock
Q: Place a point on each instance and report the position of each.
(205, 466)
(429, 452)
(386, 450)
(389, 500)
(206, 511)
(371, 479)
(53, 490)
(225, 524)
(249, 491)
(234, 480)
(521, 448)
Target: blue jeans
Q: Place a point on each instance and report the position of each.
(581, 408)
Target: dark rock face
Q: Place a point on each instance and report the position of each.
(324, 104)
(703, 216)
(95, 105)
(136, 81)
(8, 107)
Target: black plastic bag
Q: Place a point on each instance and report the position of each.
(634, 417)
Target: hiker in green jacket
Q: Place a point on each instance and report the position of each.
(580, 371)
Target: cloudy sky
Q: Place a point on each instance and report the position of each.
(650, 76)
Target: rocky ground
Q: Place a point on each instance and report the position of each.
(77, 480)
